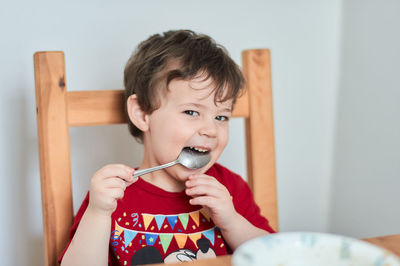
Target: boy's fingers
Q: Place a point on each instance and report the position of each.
(204, 190)
(200, 176)
(126, 178)
(116, 193)
(201, 180)
(120, 170)
(115, 182)
(134, 179)
(203, 201)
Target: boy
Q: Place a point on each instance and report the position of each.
(180, 91)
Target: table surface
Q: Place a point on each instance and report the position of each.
(391, 243)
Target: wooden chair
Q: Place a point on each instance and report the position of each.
(58, 109)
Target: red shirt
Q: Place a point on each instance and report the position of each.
(153, 225)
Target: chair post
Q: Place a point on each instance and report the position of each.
(54, 152)
(260, 132)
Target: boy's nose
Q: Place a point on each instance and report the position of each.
(208, 128)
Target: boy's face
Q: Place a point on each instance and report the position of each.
(188, 117)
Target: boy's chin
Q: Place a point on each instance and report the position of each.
(184, 173)
(194, 172)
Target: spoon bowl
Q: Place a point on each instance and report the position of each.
(188, 158)
(192, 159)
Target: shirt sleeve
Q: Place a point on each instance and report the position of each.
(242, 198)
(77, 220)
(245, 205)
(75, 225)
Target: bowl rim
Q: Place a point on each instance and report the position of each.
(296, 236)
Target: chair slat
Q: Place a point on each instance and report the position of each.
(260, 132)
(54, 152)
(105, 107)
(92, 108)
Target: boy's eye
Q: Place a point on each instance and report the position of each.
(222, 118)
(191, 113)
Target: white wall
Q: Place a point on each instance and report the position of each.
(98, 37)
(366, 178)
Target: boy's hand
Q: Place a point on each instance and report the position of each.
(215, 197)
(107, 186)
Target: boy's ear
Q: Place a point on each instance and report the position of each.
(139, 118)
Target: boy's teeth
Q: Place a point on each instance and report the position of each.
(199, 149)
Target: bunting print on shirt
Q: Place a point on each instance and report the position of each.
(142, 238)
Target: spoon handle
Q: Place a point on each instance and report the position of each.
(155, 168)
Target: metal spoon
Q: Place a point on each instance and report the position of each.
(188, 158)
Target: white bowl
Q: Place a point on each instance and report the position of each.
(311, 249)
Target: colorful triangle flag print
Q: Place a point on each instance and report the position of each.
(118, 230)
(150, 239)
(210, 235)
(205, 214)
(195, 237)
(165, 241)
(129, 235)
(147, 218)
(184, 218)
(180, 239)
(159, 220)
(195, 217)
(172, 220)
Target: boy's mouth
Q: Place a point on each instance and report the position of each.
(198, 150)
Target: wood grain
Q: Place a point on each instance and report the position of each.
(241, 108)
(390, 242)
(260, 133)
(54, 153)
(93, 108)
(106, 107)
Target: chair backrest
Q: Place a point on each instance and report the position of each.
(58, 109)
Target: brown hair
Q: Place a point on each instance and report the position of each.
(151, 63)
